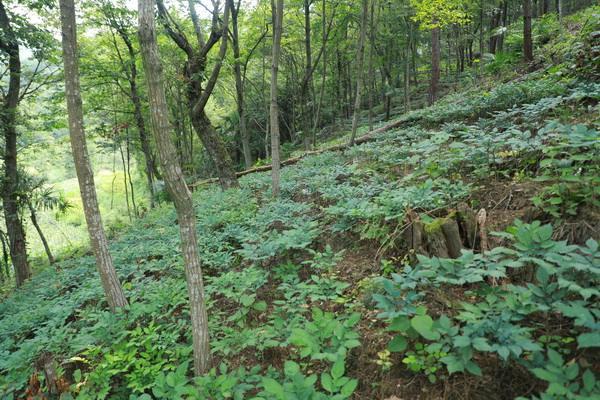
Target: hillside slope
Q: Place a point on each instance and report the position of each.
(345, 286)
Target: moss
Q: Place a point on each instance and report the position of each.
(436, 225)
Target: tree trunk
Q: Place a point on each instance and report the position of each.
(195, 74)
(305, 90)
(323, 76)
(277, 11)
(35, 223)
(371, 68)
(139, 117)
(128, 153)
(8, 115)
(176, 185)
(435, 65)
(125, 180)
(108, 275)
(215, 147)
(527, 39)
(5, 254)
(559, 9)
(359, 69)
(239, 87)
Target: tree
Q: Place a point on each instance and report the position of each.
(195, 72)
(435, 15)
(108, 275)
(359, 69)
(277, 12)
(36, 195)
(176, 185)
(527, 39)
(239, 84)
(118, 19)
(9, 46)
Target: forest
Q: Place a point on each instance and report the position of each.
(300, 199)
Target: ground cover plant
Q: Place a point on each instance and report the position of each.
(454, 255)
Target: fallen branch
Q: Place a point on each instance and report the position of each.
(368, 137)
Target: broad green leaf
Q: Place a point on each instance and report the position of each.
(397, 344)
(591, 339)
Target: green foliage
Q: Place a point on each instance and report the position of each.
(498, 320)
(571, 171)
(439, 13)
(326, 337)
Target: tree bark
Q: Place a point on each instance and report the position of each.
(139, 119)
(34, 221)
(277, 11)
(108, 275)
(5, 253)
(176, 186)
(8, 115)
(359, 69)
(239, 85)
(527, 39)
(195, 72)
(435, 65)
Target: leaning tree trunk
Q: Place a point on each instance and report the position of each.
(8, 114)
(108, 275)
(527, 39)
(274, 111)
(34, 221)
(359, 69)
(176, 185)
(435, 65)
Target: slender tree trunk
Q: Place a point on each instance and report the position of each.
(435, 65)
(35, 223)
(323, 77)
(239, 86)
(8, 116)
(359, 70)
(139, 117)
(277, 11)
(527, 39)
(559, 9)
(176, 185)
(371, 68)
(128, 153)
(108, 275)
(307, 109)
(125, 181)
(5, 253)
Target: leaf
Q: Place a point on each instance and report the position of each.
(590, 339)
(399, 324)
(349, 388)
(453, 364)
(589, 380)
(503, 352)
(481, 344)
(397, 344)
(555, 358)
(544, 374)
(273, 387)
(291, 368)
(327, 382)
(337, 371)
(473, 368)
(423, 325)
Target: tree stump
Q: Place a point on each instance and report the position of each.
(452, 235)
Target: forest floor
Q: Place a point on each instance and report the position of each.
(352, 284)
